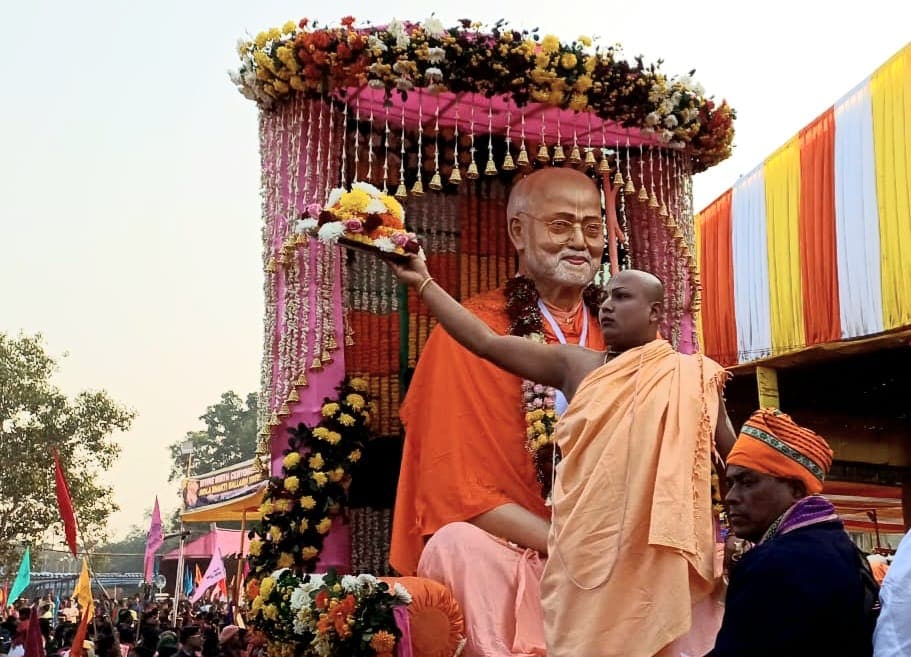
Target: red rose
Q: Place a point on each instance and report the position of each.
(348, 21)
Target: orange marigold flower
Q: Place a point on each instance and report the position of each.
(383, 642)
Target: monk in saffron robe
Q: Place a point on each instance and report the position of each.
(469, 510)
(631, 548)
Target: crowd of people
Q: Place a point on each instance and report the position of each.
(131, 627)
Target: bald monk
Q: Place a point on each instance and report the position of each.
(469, 510)
(632, 551)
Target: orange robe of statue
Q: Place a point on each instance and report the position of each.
(465, 436)
(632, 550)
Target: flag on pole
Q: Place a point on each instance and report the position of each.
(34, 640)
(2, 597)
(215, 572)
(155, 539)
(65, 504)
(187, 582)
(198, 578)
(83, 595)
(23, 577)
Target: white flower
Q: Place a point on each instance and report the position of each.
(436, 55)
(305, 225)
(235, 77)
(299, 598)
(397, 30)
(434, 27)
(652, 119)
(376, 206)
(404, 84)
(367, 583)
(665, 107)
(367, 187)
(249, 78)
(675, 98)
(670, 121)
(376, 84)
(665, 136)
(316, 581)
(330, 232)
(349, 583)
(384, 244)
(433, 74)
(375, 43)
(401, 594)
(698, 89)
(334, 196)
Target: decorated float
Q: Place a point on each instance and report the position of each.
(405, 138)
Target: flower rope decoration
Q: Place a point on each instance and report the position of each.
(327, 616)
(298, 507)
(538, 400)
(470, 58)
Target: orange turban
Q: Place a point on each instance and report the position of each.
(772, 443)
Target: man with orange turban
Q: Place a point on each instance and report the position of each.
(803, 588)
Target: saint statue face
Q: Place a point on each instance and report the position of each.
(556, 227)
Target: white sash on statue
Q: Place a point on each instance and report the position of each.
(560, 402)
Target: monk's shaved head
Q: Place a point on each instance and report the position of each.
(651, 285)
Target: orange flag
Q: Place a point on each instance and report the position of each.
(198, 578)
(83, 595)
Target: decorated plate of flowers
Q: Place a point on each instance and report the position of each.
(362, 218)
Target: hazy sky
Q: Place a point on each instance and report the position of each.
(129, 170)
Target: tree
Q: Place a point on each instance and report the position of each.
(230, 436)
(35, 417)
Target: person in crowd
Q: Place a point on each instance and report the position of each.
(190, 642)
(800, 586)
(230, 642)
(632, 517)
(167, 644)
(892, 637)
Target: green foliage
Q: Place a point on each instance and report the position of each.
(35, 417)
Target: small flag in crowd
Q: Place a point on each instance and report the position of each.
(187, 582)
(65, 504)
(23, 577)
(154, 541)
(83, 595)
(214, 574)
(34, 641)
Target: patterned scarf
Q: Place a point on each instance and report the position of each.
(811, 510)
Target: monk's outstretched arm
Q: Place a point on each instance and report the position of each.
(530, 360)
(724, 432)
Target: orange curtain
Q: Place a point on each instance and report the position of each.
(719, 324)
(818, 254)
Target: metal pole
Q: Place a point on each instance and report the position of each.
(178, 585)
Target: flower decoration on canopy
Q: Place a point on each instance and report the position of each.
(364, 215)
(327, 615)
(492, 61)
(298, 508)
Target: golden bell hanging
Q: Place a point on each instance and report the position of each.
(274, 421)
(643, 194)
(630, 188)
(418, 188)
(436, 182)
(472, 172)
(653, 200)
(678, 236)
(455, 177)
(603, 167)
(618, 179)
(301, 380)
(401, 192)
(590, 157)
(523, 157)
(293, 396)
(284, 410)
(508, 163)
(559, 156)
(491, 168)
(662, 210)
(317, 364)
(543, 154)
(575, 155)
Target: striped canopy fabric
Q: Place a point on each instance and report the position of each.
(814, 245)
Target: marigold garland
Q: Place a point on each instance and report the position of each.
(525, 320)
(298, 507)
(500, 60)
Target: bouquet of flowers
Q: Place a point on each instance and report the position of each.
(362, 218)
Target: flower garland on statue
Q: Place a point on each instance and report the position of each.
(539, 401)
(499, 60)
(298, 508)
(364, 215)
(327, 616)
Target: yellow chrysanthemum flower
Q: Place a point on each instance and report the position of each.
(266, 586)
(307, 502)
(337, 475)
(265, 508)
(321, 433)
(261, 39)
(538, 426)
(332, 408)
(320, 479)
(356, 200)
(285, 560)
(270, 612)
(275, 33)
(289, 27)
(255, 547)
(275, 533)
(393, 206)
(578, 102)
(324, 526)
(359, 384)
(305, 525)
(316, 461)
(550, 44)
(292, 484)
(529, 433)
(355, 456)
(283, 506)
(257, 604)
(346, 420)
(333, 437)
(355, 401)
(585, 40)
(291, 461)
(309, 552)
(568, 61)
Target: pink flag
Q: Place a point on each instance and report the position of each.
(214, 574)
(155, 539)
